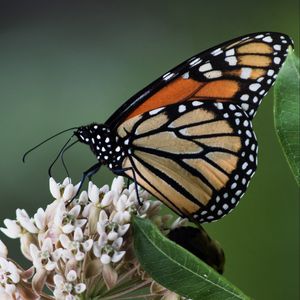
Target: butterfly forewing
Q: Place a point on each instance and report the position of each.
(241, 70)
(197, 157)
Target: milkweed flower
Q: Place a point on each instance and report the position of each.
(9, 277)
(66, 287)
(82, 248)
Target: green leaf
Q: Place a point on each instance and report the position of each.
(177, 269)
(286, 112)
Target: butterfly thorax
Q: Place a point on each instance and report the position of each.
(106, 145)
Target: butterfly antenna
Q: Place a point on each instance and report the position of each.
(45, 141)
(58, 155)
(62, 157)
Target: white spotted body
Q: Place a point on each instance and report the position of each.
(109, 149)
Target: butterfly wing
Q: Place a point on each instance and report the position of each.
(240, 71)
(189, 134)
(196, 157)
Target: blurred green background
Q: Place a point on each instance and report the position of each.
(68, 63)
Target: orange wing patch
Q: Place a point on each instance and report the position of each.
(176, 91)
(261, 48)
(255, 60)
(219, 89)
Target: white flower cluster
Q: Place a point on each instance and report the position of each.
(78, 248)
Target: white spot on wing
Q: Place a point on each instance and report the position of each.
(254, 87)
(277, 47)
(168, 75)
(267, 39)
(213, 74)
(230, 52)
(246, 72)
(181, 108)
(197, 103)
(232, 107)
(217, 52)
(259, 36)
(185, 75)
(277, 60)
(205, 67)
(219, 105)
(245, 165)
(195, 61)
(232, 61)
(244, 97)
(225, 206)
(155, 111)
(245, 106)
(262, 92)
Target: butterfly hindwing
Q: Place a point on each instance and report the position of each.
(197, 157)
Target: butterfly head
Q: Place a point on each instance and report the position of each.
(92, 134)
(103, 143)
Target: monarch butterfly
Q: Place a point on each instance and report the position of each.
(187, 138)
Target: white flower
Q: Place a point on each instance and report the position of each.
(108, 252)
(9, 276)
(40, 219)
(96, 195)
(47, 257)
(3, 250)
(69, 288)
(21, 227)
(83, 199)
(100, 198)
(12, 230)
(66, 190)
(123, 206)
(68, 220)
(113, 229)
(25, 221)
(77, 247)
(117, 185)
(103, 221)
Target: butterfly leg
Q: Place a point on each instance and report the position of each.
(86, 174)
(121, 172)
